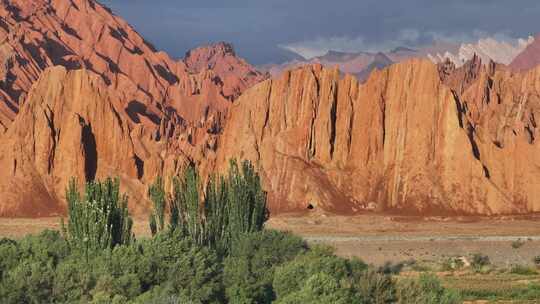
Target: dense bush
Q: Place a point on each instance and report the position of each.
(426, 290)
(28, 267)
(249, 269)
(296, 279)
(261, 267)
(523, 270)
(47, 271)
(517, 244)
(536, 261)
(479, 261)
(376, 288)
(391, 268)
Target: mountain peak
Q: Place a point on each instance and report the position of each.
(382, 57)
(530, 57)
(216, 49)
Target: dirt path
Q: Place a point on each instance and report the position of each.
(377, 239)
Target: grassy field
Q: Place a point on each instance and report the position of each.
(516, 285)
(496, 287)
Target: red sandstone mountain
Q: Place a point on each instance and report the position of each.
(132, 111)
(403, 141)
(81, 33)
(414, 138)
(529, 58)
(69, 126)
(235, 73)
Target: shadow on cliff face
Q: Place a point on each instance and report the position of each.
(136, 108)
(166, 74)
(139, 163)
(90, 152)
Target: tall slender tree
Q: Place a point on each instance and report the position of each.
(156, 193)
(100, 219)
(228, 207)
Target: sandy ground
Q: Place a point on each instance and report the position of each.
(16, 228)
(380, 238)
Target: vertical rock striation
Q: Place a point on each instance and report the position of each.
(402, 142)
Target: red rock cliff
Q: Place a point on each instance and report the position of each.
(68, 127)
(147, 113)
(403, 141)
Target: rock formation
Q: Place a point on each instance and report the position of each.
(166, 111)
(528, 58)
(402, 142)
(83, 95)
(82, 33)
(235, 73)
(68, 127)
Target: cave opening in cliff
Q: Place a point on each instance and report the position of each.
(310, 207)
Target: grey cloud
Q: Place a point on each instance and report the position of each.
(258, 27)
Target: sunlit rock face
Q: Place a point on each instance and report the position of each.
(148, 113)
(405, 141)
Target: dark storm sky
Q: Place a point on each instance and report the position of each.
(262, 29)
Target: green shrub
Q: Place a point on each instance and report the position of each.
(319, 288)
(316, 264)
(531, 293)
(391, 268)
(196, 277)
(158, 295)
(480, 260)
(517, 244)
(522, 270)
(9, 255)
(48, 246)
(28, 282)
(249, 268)
(28, 267)
(375, 288)
(536, 260)
(74, 280)
(426, 290)
(181, 268)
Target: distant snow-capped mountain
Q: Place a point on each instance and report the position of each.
(487, 49)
